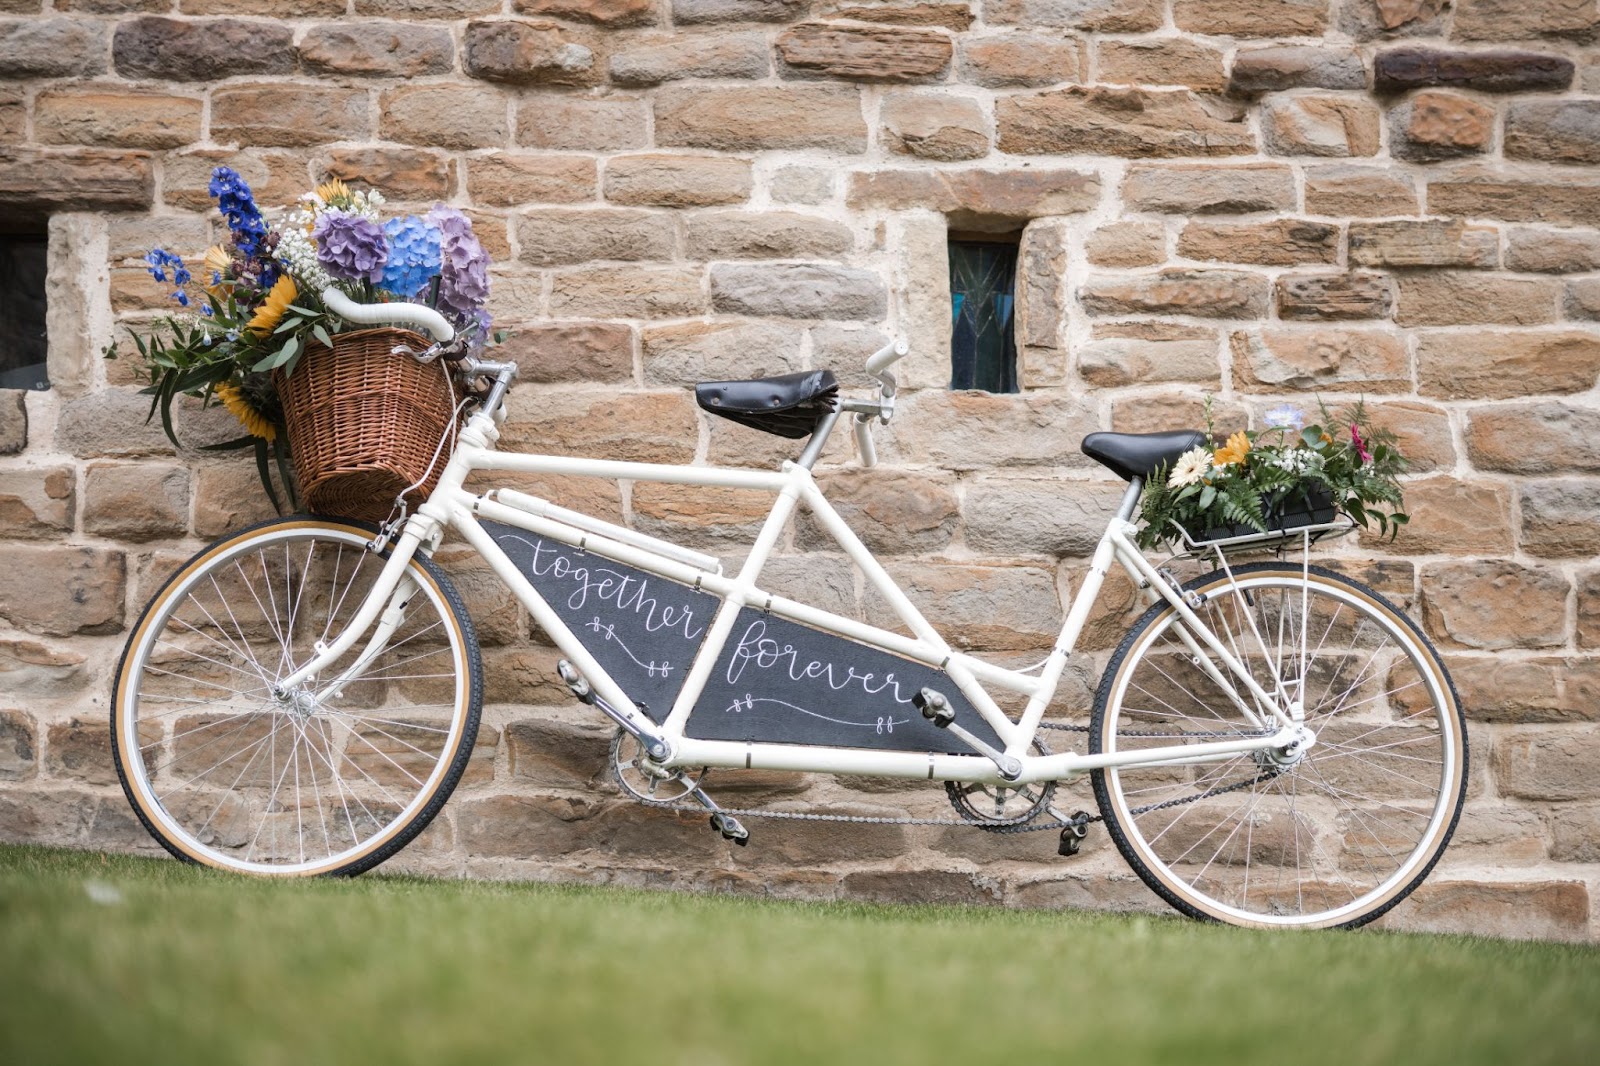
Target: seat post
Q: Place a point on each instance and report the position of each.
(818, 441)
(1130, 499)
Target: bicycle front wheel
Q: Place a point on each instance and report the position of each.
(1330, 836)
(331, 778)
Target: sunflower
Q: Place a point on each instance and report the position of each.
(268, 315)
(238, 404)
(1234, 451)
(217, 265)
(334, 193)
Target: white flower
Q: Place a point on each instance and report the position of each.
(1285, 416)
(298, 252)
(1300, 461)
(1190, 468)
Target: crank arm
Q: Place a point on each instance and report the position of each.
(654, 744)
(936, 709)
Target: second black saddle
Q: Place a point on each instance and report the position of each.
(789, 405)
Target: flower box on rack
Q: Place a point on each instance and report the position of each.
(1308, 505)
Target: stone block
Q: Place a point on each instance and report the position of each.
(1191, 189)
(81, 751)
(674, 57)
(13, 421)
(1105, 120)
(1019, 58)
(600, 12)
(642, 427)
(1145, 353)
(1042, 298)
(374, 49)
(1203, 293)
(1100, 16)
(865, 53)
(1282, 242)
(1333, 296)
(1516, 196)
(29, 668)
(83, 179)
(1549, 764)
(1298, 359)
(677, 180)
(167, 49)
(1328, 126)
(52, 48)
(1556, 131)
(894, 512)
(19, 746)
(955, 17)
(276, 177)
(1359, 192)
(1367, 20)
(1500, 364)
(978, 608)
(1524, 20)
(576, 235)
(761, 118)
(519, 52)
(1422, 431)
(1552, 251)
(702, 517)
(1162, 61)
(802, 185)
(124, 119)
(1561, 518)
(1575, 830)
(695, 11)
(1450, 516)
(580, 123)
(1588, 608)
(460, 117)
(59, 591)
(399, 173)
(292, 9)
(559, 754)
(798, 290)
(284, 115)
(1582, 299)
(1422, 243)
(1431, 126)
(1127, 244)
(1020, 517)
(971, 430)
(1450, 298)
(1537, 439)
(1495, 604)
(228, 496)
(629, 292)
(1546, 910)
(37, 503)
(1400, 69)
(1266, 70)
(1526, 691)
(689, 352)
(764, 235)
(934, 126)
(1244, 18)
(110, 422)
(512, 179)
(135, 501)
(970, 195)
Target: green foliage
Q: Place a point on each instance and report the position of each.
(1254, 474)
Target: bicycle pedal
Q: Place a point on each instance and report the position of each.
(730, 828)
(1073, 834)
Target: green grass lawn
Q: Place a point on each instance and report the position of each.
(122, 960)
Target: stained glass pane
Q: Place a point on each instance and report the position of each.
(983, 351)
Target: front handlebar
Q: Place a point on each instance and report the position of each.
(884, 357)
(402, 314)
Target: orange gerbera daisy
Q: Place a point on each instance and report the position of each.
(1234, 451)
(270, 313)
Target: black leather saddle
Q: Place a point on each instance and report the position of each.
(789, 405)
(1131, 455)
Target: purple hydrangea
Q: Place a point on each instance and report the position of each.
(464, 273)
(414, 256)
(350, 247)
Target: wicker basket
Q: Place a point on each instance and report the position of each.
(364, 423)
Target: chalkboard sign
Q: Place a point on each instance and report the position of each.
(643, 629)
(781, 682)
(776, 681)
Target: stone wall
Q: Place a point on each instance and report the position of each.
(1252, 198)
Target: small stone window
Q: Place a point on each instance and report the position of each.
(983, 304)
(23, 347)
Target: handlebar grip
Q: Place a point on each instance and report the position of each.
(881, 359)
(864, 444)
(402, 314)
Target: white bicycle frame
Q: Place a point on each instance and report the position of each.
(1277, 713)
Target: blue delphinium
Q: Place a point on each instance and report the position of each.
(413, 256)
(247, 228)
(160, 261)
(350, 247)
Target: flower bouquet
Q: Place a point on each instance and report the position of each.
(1285, 476)
(360, 420)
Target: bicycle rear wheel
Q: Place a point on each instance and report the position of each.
(1333, 837)
(332, 778)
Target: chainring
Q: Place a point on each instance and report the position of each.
(641, 779)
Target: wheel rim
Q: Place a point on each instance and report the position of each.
(323, 777)
(1331, 838)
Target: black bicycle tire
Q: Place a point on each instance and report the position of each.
(469, 734)
(1102, 794)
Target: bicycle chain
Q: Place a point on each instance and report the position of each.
(1023, 823)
